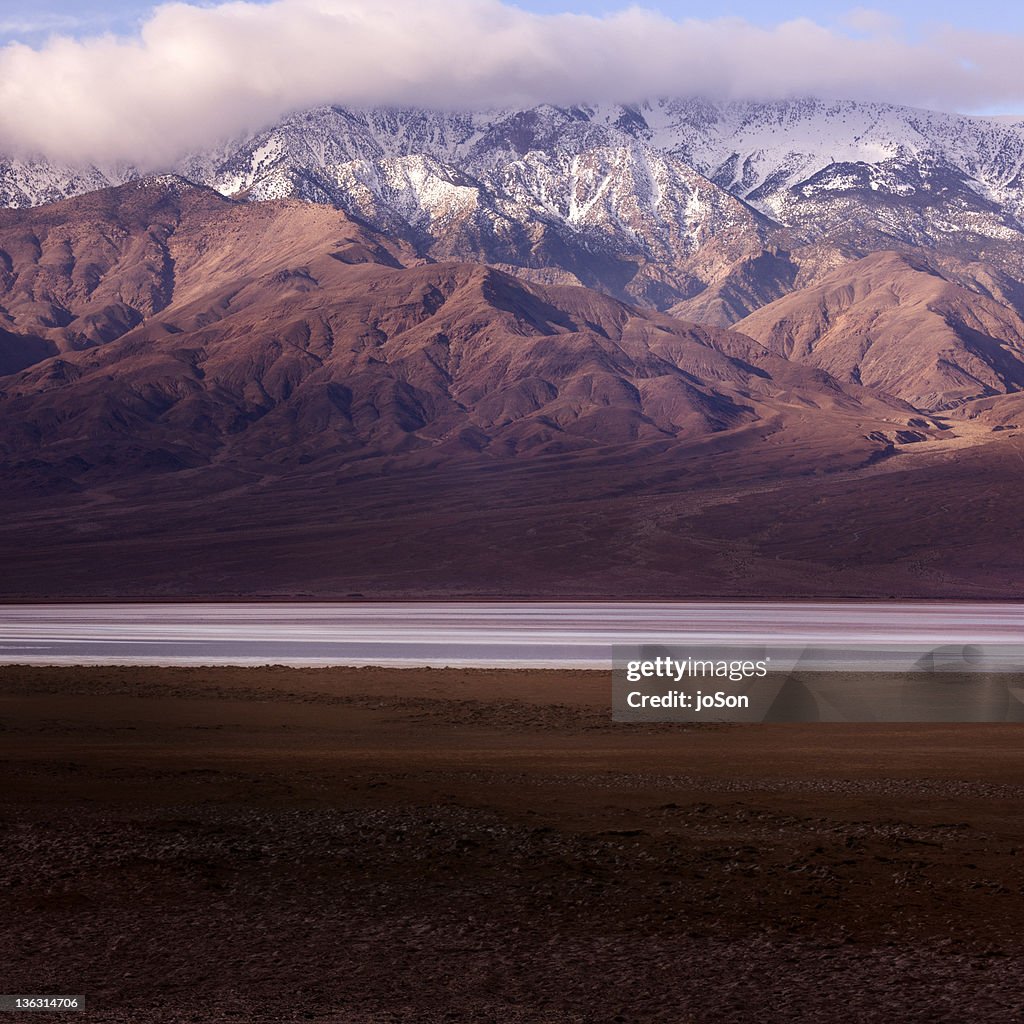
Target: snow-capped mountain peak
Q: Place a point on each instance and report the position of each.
(624, 197)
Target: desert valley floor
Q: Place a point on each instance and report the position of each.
(383, 846)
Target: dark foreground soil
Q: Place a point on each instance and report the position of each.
(416, 846)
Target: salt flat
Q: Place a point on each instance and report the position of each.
(528, 634)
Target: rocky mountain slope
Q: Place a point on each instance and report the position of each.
(900, 324)
(163, 326)
(204, 395)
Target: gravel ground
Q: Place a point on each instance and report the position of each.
(201, 854)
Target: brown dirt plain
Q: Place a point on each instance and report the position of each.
(375, 845)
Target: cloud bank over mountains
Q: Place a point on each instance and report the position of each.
(195, 75)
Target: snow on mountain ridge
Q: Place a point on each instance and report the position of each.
(757, 151)
(803, 137)
(599, 194)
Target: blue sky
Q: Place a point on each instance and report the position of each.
(989, 16)
(31, 21)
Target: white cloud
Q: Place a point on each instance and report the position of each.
(870, 21)
(199, 74)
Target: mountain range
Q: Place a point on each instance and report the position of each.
(658, 203)
(678, 348)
